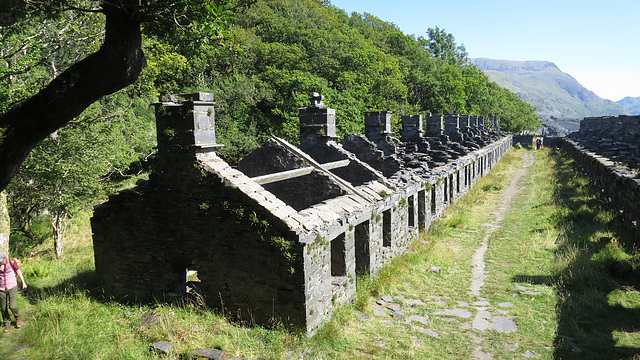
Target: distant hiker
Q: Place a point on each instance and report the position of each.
(9, 290)
(541, 142)
(538, 143)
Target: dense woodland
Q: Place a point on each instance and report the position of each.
(260, 59)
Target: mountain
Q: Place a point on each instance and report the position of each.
(632, 104)
(557, 96)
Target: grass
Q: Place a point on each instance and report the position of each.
(558, 237)
(597, 268)
(521, 256)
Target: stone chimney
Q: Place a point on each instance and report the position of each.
(435, 125)
(377, 125)
(465, 121)
(185, 126)
(317, 121)
(411, 127)
(496, 123)
(587, 124)
(490, 122)
(451, 123)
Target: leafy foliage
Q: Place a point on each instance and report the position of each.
(79, 163)
(260, 58)
(443, 46)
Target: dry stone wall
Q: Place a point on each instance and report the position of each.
(615, 138)
(607, 148)
(283, 237)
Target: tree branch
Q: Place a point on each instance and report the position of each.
(116, 65)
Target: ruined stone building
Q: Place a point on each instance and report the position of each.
(614, 137)
(608, 150)
(283, 236)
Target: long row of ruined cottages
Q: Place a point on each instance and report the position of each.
(283, 235)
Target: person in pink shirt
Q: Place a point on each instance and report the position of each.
(9, 290)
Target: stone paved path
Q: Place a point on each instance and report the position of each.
(483, 319)
(481, 316)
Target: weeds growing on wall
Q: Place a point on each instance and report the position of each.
(264, 229)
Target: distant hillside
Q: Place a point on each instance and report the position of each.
(556, 95)
(632, 104)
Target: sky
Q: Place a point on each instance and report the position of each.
(595, 41)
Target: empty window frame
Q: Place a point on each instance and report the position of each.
(338, 256)
(422, 209)
(386, 228)
(433, 200)
(362, 248)
(411, 209)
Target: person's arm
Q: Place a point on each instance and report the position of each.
(24, 284)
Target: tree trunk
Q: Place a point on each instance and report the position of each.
(5, 228)
(116, 65)
(59, 226)
(59, 222)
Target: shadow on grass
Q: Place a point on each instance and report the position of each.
(589, 316)
(84, 282)
(535, 279)
(596, 256)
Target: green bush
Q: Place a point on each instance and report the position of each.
(25, 240)
(38, 271)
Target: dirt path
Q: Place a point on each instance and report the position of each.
(479, 273)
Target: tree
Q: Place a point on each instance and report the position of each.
(60, 174)
(290, 47)
(443, 46)
(117, 64)
(24, 125)
(438, 88)
(79, 163)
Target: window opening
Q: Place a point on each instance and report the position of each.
(446, 189)
(433, 200)
(412, 216)
(363, 254)
(451, 187)
(422, 208)
(466, 176)
(386, 228)
(338, 261)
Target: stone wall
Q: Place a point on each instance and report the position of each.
(616, 138)
(620, 183)
(607, 148)
(530, 139)
(524, 140)
(283, 237)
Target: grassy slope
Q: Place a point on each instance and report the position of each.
(558, 237)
